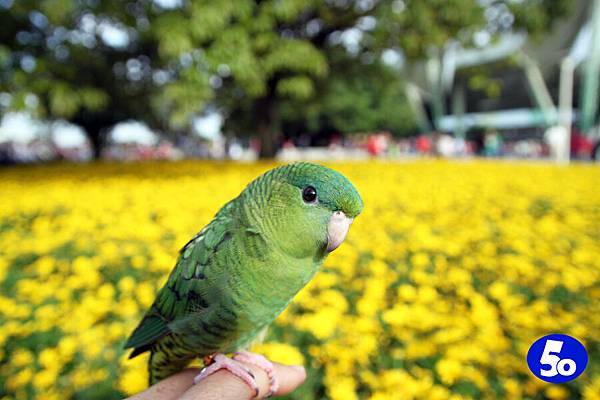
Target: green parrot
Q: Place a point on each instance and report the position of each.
(241, 271)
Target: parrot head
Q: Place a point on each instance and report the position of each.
(308, 208)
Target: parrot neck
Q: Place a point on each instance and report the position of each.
(284, 260)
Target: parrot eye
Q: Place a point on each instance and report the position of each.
(309, 194)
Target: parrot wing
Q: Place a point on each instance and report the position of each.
(186, 290)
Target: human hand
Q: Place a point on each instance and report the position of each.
(222, 385)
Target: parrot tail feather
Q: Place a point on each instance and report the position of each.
(139, 350)
(161, 366)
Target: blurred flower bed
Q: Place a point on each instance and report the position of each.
(453, 270)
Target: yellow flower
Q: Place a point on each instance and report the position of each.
(556, 392)
(19, 379)
(592, 390)
(21, 358)
(449, 370)
(448, 276)
(343, 388)
(280, 352)
(145, 294)
(133, 381)
(45, 379)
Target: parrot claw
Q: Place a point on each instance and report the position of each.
(262, 363)
(219, 361)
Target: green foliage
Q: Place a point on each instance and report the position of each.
(535, 19)
(63, 100)
(418, 26)
(480, 77)
(183, 95)
(359, 98)
(299, 87)
(255, 60)
(57, 11)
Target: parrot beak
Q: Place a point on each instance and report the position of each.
(337, 229)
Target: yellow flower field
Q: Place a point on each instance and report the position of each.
(452, 271)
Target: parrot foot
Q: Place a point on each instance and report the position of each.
(219, 362)
(262, 363)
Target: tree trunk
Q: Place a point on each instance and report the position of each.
(268, 141)
(95, 127)
(96, 141)
(267, 127)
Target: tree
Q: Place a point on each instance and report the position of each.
(363, 96)
(57, 60)
(100, 62)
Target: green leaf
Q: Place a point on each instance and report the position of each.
(64, 102)
(299, 87)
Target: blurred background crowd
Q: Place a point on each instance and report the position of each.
(166, 79)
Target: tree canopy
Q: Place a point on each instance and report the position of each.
(262, 63)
